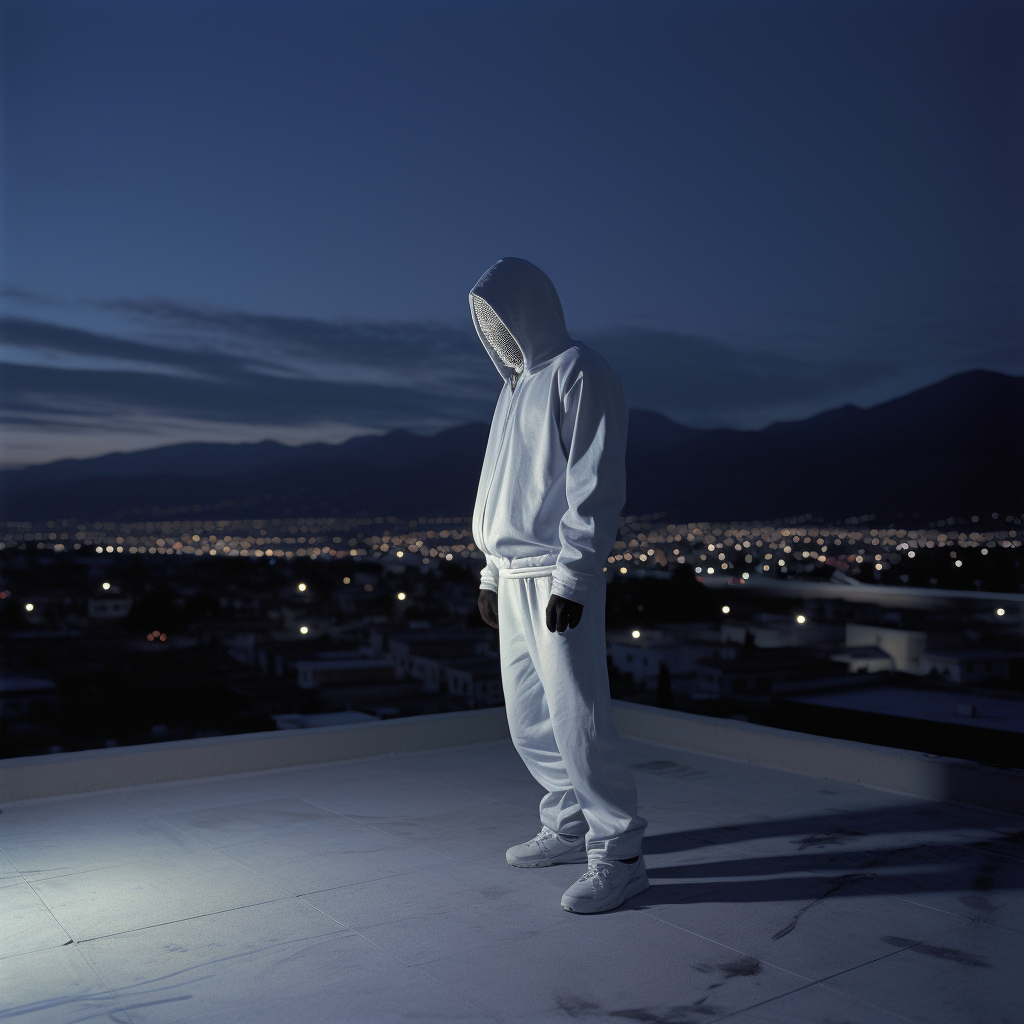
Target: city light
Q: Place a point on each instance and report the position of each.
(30, 607)
(1000, 611)
(302, 586)
(801, 619)
(401, 596)
(725, 609)
(303, 630)
(636, 634)
(106, 586)
(644, 544)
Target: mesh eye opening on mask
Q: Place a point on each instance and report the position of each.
(496, 335)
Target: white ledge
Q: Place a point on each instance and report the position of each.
(890, 768)
(86, 771)
(900, 771)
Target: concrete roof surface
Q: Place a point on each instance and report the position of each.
(377, 890)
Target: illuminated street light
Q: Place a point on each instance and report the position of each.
(401, 596)
(636, 634)
(800, 619)
(725, 609)
(999, 611)
(303, 630)
(30, 607)
(302, 586)
(106, 586)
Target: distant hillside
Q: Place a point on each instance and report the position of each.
(955, 447)
(952, 448)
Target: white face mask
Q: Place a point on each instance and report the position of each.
(496, 335)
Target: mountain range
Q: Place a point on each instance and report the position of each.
(953, 448)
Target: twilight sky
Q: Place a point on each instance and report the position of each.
(249, 219)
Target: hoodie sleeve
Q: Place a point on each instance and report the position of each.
(594, 432)
(489, 575)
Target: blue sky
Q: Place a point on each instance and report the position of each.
(238, 220)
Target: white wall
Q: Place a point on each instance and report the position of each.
(904, 646)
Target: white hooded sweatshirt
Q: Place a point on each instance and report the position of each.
(554, 475)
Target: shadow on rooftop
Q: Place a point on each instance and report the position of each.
(979, 865)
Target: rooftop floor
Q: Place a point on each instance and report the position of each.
(377, 890)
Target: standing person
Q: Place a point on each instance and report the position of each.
(547, 511)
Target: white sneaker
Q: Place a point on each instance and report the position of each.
(606, 885)
(547, 848)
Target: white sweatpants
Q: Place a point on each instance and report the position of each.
(560, 715)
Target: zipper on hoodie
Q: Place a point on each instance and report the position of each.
(501, 440)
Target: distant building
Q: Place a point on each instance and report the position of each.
(477, 680)
(343, 671)
(772, 630)
(641, 657)
(424, 655)
(904, 646)
(970, 667)
(865, 659)
(757, 675)
(276, 657)
(354, 681)
(27, 698)
(241, 646)
(111, 607)
(239, 639)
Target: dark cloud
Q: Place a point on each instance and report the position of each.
(39, 337)
(204, 383)
(247, 399)
(163, 363)
(427, 351)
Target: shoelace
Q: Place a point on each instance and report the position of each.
(543, 835)
(597, 874)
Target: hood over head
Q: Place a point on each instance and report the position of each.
(518, 316)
